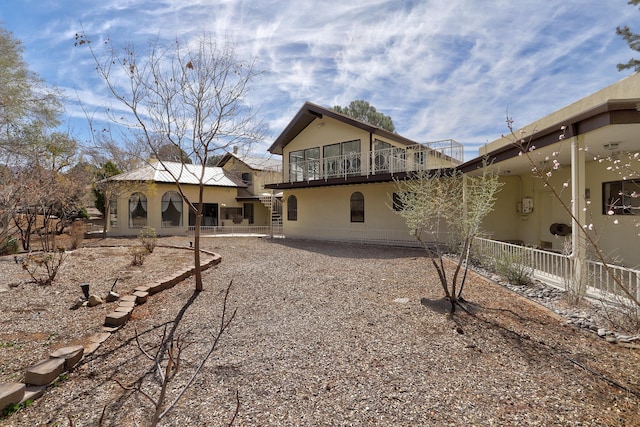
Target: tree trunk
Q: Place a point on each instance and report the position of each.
(196, 249)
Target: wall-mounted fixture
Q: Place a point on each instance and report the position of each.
(610, 146)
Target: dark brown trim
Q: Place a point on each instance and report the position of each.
(610, 113)
(351, 180)
(310, 112)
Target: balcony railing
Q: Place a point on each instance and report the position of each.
(557, 269)
(392, 160)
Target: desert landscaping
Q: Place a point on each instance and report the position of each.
(323, 334)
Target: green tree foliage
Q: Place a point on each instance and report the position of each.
(26, 106)
(106, 170)
(633, 40)
(363, 111)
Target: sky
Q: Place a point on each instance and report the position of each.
(439, 68)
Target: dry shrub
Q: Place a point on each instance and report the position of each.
(76, 234)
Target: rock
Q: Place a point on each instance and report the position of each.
(44, 372)
(71, 355)
(602, 332)
(94, 300)
(112, 296)
(10, 393)
(77, 304)
(117, 318)
(401, 300)
(612, 340)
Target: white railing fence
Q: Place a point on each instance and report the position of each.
(558, 270)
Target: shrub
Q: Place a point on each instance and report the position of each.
(138, 254)
(515, 268)
(76, 233)
(148, 238)
(9, 246)
(50, 261)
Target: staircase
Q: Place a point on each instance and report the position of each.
(275, 207)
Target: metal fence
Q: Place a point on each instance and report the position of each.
(558, 269)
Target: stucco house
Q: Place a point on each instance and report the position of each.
(338, 176)
(586, 152)
(148, 196)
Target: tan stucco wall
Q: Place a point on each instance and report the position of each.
(221, 195)
(619, 241)
(324, 213)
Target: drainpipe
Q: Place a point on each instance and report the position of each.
(578, 205)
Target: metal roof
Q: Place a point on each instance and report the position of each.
(254, 162)
(172, 172)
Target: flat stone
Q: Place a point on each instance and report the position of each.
(4, 288)
(124, 309)
(401, 300)
(156, 287)
(128, 298)
(602, 332)
(44, 372)
(33, 392)
(10, 393)
(100, 337)
(71, 355)
(141, 296)
(90, 348)
(126, 304)
(117, 318)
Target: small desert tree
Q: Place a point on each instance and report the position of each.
(444, 210)
(187, 98)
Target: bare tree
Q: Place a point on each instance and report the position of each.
(191, 96)
(444, 211)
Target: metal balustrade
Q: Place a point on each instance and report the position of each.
(392, 160)
(557, 269)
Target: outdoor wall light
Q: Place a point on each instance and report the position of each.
(613, 145)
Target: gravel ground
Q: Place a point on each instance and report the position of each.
(324, 334)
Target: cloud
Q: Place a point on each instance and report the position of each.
(439, 68)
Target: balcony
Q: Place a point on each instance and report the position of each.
(394, 160)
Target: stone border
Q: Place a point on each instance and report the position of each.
(46, 372)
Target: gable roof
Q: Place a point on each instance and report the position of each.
(309, 112)
(186, 174)
(253, 162)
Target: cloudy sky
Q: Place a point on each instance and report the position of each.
(440, 68)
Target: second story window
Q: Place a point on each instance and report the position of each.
(304, 165)
(621, 197)
(247, 178)
(342, 159)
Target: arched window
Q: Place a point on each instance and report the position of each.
(292, 208)
(357, 207)
(137, 210)
(171, 209)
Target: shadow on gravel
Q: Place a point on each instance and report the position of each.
(347, 250)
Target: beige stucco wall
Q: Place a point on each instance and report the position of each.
(324, 213)
(222, 195)
(619, 241)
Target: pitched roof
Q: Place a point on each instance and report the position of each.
(185, 173)
(309, 112)
(254, 162)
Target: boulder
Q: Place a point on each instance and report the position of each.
(94, 300)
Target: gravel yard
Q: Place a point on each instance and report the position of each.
(324, 334)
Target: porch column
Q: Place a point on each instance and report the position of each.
(578, 209)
